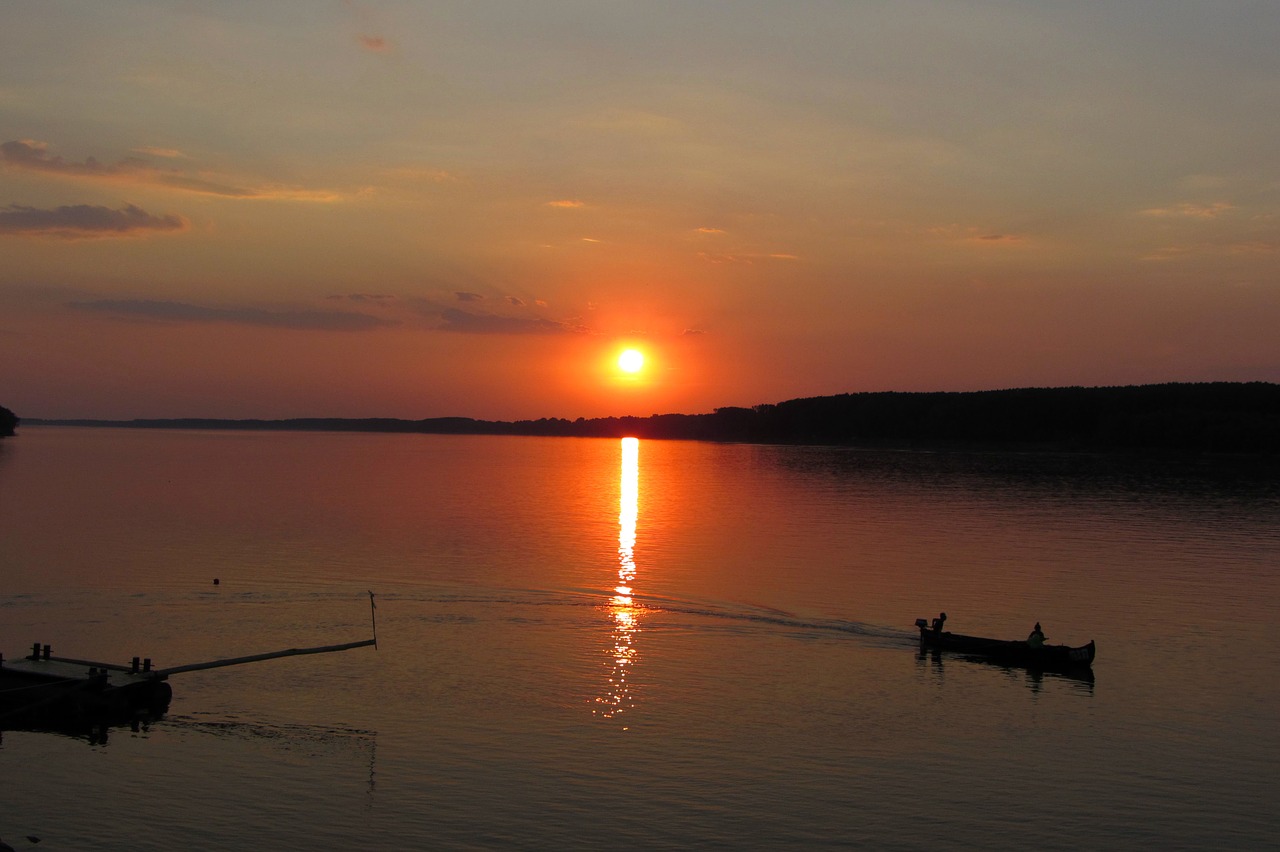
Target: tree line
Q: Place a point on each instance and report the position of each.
(1217, 417)
(8, 423)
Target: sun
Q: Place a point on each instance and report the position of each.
(631, 361)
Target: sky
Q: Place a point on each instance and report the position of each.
(422, 209)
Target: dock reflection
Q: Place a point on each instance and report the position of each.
(622, 651)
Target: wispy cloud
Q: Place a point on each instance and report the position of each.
(375, 44)
(167, 153)
(1209, 249)
(183, 312)
(469, 297)
(481, 323)
(974, 235)
(1189, 210)
(419, 174)
(362, 297)
(747, 259)
(567, 203)
(710, 231)
(84, 221)
(722, 258)
(30, 155)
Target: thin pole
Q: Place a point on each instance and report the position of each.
(373, 614)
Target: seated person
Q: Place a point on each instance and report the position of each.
(1036, 639)
(938, 622)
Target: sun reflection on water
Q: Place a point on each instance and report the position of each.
(626, 616)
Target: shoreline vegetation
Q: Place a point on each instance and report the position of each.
(1215, 417)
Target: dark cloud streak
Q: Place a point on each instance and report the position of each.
(34, 156)
(469, 323)
(84, 220)
(182, 312)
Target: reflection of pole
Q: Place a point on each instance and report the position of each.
(373, 615)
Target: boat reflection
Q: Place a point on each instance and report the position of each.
(1034, 680)
(622, 609)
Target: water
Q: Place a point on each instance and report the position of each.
(585, 644)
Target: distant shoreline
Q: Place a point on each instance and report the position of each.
(1214, 417)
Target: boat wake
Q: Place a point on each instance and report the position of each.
(654, 607)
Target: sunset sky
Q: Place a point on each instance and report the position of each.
(422, 209)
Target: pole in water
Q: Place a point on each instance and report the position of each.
(373, 614)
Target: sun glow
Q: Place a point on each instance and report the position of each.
(631, 361)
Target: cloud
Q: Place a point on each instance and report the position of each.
(710, 231)
(476, 323)
(182, 312)
(167, 153)
(722, 258)
(469, 297)
(85, 220)
(362, 297)
(1254, 247)
(748, 259)
(516, 300)
(566, 202)
(1188, 210)
(403, 174)
(375, 44)
(972, 235)
(34, 156)
(1207, 249)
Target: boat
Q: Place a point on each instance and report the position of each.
(1009, 652)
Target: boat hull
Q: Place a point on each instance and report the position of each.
(1049, 658)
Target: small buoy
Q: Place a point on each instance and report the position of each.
(216, 581)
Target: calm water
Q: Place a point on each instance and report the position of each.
(588, 644)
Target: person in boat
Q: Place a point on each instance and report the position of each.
(1036, 640)
(938, 622)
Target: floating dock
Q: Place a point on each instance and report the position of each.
(42, 690)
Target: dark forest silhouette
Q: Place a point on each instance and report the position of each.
(1219, 417)
(8, 422)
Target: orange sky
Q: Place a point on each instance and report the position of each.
(414, 209)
